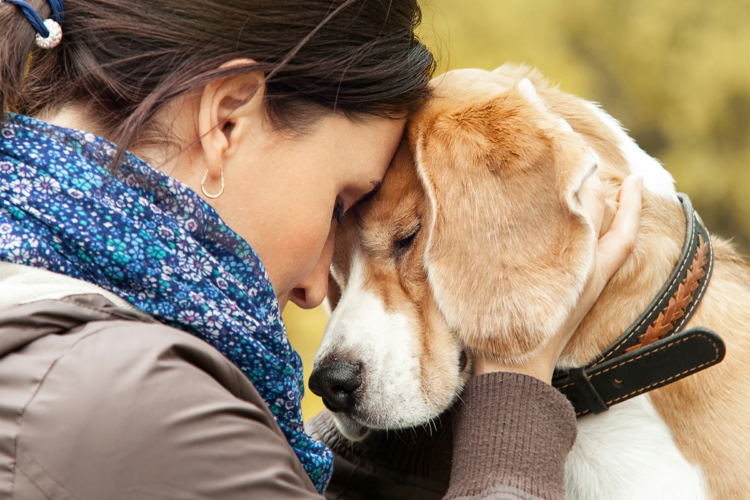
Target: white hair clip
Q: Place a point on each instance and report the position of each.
(55, 35)
(49, 31)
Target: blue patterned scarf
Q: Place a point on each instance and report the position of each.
(152, 241)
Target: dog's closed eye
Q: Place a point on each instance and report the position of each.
(402, 245)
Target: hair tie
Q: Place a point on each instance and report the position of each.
(48, 32)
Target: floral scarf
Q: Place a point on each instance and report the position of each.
(152, 241)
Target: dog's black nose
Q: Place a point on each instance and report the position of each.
(336, 382)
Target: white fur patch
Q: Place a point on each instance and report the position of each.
(529, 92)
(386, 346)
(655, 177)
(628, 453)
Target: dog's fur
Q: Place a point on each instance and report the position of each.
(488, 177)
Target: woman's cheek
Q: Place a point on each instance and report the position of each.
(300, 254)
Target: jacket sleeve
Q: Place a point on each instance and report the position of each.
(507, 438)
(137, 411)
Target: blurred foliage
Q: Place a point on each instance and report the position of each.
(675, 73)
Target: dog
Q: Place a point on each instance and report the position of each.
(476, 242)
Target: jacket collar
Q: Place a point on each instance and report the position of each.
(25, 323)
(20, 284)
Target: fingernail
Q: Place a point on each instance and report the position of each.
(639, 183)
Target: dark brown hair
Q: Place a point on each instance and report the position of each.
(125, 59)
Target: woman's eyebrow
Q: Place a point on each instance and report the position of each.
(375, 188)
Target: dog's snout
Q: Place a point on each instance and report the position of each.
(337, 382)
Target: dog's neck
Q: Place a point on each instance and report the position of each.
(635, 285)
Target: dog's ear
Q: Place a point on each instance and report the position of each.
(507, 255)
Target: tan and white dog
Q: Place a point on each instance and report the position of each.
(477, 242)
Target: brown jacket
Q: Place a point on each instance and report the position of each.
(99, 402)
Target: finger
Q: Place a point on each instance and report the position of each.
(618, 243)
(594, 200)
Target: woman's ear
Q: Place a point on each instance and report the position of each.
(228, 107)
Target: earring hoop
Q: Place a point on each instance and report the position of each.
(203, 185)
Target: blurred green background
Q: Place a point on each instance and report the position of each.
(675, 73)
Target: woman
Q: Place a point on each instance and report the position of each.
(172, 176)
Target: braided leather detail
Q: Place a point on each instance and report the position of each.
(679, 301)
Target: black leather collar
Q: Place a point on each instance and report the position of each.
(654, 351)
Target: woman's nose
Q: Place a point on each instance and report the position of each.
(313, 288)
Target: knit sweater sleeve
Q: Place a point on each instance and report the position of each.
(511, 437)
(507, 438)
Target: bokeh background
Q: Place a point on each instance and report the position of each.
(676, 73)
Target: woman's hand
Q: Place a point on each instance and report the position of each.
(614, 247)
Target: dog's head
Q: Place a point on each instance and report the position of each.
(477, 241)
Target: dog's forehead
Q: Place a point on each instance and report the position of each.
(399, 201)
(400, 179)
(465, 86)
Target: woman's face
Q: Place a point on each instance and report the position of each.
(283, 192)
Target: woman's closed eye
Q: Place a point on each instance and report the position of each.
(338, 211)
(339, 207)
